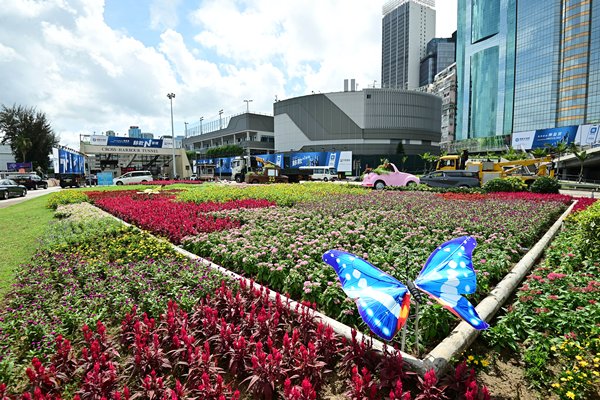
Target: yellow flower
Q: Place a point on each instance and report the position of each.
(553, 348)
(470, 358)
(578, 358)
(570, 395)
(596, 373)
(583, 363)
(485, 363)
(556, 385)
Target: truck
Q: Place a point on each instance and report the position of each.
(204, 173)
(528, 170)
(270, 173)
(69, 167)
(388, 175)
(243, 165)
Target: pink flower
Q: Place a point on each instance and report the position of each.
(554, 275)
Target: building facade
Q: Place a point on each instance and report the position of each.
(368, 122)
(407, 27)
(441, 52)
(524, 67)
(253, 132)
(444, 86)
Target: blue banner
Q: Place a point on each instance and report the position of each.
(70, 162)
(134, 142)
(14, 166)
(553, 136)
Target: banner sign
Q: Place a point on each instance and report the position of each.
(544, 137)
(588, 135)
(105, 178)
(15, 166)
(100, 140)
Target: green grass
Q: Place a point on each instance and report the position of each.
(20, 227)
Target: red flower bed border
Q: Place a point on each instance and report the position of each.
(163, 216)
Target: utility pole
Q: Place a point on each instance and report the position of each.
(171, 96)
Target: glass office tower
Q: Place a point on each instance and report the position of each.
(525, 65)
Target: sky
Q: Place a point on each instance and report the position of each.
(98, 65)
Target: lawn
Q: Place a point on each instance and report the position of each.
(21, 226)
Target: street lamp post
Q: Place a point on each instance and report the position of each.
(186, 134)
(248, 105)
(201, 119)
(220, 113)
(171, 96)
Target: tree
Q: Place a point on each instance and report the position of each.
(428, 159)
(581, 155)
(559, 149)
(29, 135)
(539, 152)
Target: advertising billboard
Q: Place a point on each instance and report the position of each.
(544, 137)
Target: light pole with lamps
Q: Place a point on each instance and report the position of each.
(186, 134)
(201, 119)
(220, 113)
(248, 105)
(171, 96)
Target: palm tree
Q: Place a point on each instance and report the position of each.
(539, 152)
(23, 144)
(581, 155)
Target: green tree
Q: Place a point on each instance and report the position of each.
(29, 135)
(581, 155)
(538, 153)
(513, 155)
(428, 159)
(557, 151)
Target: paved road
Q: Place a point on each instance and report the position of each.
(30, 195)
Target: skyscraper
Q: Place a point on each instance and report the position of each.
(135, 132)
(407, 27)
(523, 65)
(440, 53)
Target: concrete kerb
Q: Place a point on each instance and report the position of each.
(454, 344)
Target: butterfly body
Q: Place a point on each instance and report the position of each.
(383, 302)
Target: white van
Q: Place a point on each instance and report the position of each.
(323, 174)
(133, 177)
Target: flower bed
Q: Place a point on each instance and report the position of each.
(282, 247)
(230, 345)
(555, 323)
(233, 344)
(165, 217)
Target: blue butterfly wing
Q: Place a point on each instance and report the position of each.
(447, 274)
(382, 301)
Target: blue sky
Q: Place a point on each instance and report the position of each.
(94, 65)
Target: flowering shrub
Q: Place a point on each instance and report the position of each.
(557, 315)
(270, 351)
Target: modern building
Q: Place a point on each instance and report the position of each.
(526, 66)
(441, 52)
(444, 86)
(134, 132)
(251, 131)
(407, 27)
(375, 122)
(6, 157)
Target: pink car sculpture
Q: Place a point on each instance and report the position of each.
(391, 178)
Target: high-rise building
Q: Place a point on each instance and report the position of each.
(441, 52)
(444, 86)
(135, 132)
(523, 65)
(407, 27)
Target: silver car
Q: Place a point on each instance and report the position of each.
(450, 179)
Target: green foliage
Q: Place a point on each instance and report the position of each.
(555, 323)
(228, 150)
(513, 155)
(545, 184)
(510, 184)
(28, 133)
(66, 197)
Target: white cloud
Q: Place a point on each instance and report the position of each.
(63, 59)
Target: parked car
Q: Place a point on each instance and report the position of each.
(10, 188)
(389, 176)
(133, 177)
(30, 181)
(448, 179)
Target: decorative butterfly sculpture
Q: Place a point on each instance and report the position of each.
(383, 302)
